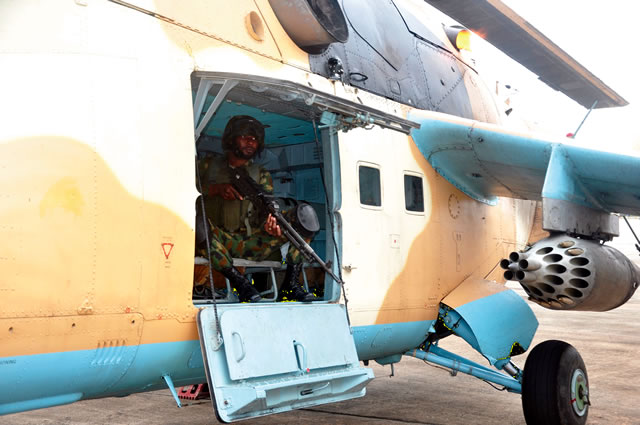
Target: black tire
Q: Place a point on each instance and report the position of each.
(552, 371)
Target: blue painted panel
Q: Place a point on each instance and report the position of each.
(63, 377)
(595, 179)
(181, 360)
(486, 161)
(376, 341)
(39, 403)
(497, 322)
(561, 182)
(58, 378)
(481, 163)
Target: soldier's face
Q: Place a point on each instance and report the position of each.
(246, 146)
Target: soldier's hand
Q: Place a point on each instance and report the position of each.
(271, 226)
(224, 190)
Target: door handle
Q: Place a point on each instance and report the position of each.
(312, 390)
(238, 343)
(302, 365)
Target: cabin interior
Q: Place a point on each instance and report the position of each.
(296, 150)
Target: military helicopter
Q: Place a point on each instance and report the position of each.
(377, 117)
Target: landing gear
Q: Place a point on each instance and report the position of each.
(555, 387)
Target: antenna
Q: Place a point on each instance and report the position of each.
(573, 136)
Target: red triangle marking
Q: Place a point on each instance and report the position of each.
(166, 248)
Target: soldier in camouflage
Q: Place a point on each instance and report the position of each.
(236, 227)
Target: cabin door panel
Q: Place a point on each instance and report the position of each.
(279, 357)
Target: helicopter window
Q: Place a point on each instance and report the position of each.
(413, 193)
(370, 193)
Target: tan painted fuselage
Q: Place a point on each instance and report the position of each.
(97, 194)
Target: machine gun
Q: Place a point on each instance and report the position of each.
(304, 218)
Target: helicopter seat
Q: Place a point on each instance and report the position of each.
(224, 292)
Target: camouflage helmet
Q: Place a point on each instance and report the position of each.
(242, 125)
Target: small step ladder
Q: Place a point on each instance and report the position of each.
(194, 392)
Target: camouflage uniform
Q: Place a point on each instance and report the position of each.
(236, 228)
(257, 247)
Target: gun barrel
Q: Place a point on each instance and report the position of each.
(303, 246)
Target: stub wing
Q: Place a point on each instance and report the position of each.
(486, 161)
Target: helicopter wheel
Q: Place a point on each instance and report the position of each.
(555, 386)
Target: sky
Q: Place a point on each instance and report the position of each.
(603, 38)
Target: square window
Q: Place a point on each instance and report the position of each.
(413, 196)
(370, 193)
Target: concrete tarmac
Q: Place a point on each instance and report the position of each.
(419, 393)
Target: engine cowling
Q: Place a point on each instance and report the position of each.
(566, 273)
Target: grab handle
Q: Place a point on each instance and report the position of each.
(238, 346)
(302, 365)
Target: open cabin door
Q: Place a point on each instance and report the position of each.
(278, 357)
(270, 358)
